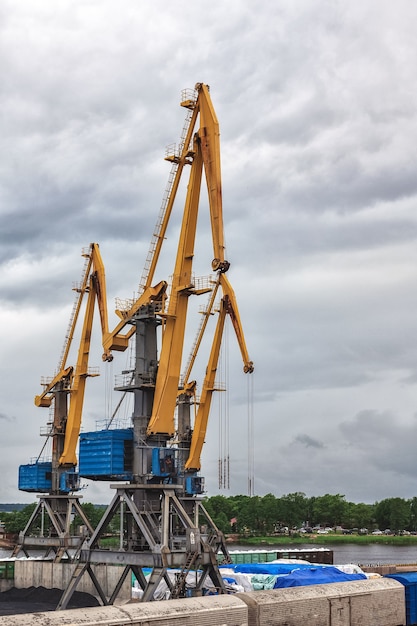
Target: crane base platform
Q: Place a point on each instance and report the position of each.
(159, 531)
(49, 528)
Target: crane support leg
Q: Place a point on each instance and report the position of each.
(168, 537)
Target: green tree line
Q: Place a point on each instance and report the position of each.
(15, 521)
(263, 515)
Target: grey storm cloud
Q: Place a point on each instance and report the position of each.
(308, 442)
(318, 132)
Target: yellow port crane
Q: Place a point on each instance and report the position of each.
(200, 150)
(58, 479)
(159, 456)
(71, 380)
(158, 498)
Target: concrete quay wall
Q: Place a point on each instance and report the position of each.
(32, 573)
(376, 602)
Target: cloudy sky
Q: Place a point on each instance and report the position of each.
(318, 113)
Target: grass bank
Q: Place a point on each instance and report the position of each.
(321, 540)
(294, 540)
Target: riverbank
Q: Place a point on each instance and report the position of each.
(370, 556)
(324, 540)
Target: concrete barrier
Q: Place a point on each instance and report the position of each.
(377, 602)
(222, 610)
(367, 602)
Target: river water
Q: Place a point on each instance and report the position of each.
(371, 554)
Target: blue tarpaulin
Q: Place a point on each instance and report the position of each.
(315, 576)
(269, 568)
(297, 574)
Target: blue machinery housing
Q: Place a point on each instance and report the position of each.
(108, 455)
(37, 478)
(409, 580)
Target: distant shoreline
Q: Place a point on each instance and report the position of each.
(322, 540)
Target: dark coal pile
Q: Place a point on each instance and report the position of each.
(38, 599)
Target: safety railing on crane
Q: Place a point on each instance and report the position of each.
(124, 304)
(219, 385)
(46, 381)
(188, 97)
(39, 459)
(113, 424)
(47, 431)
(127, 380)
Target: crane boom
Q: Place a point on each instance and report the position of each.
(193, 463)
(72, 429)
(162, 419)
(76, 310)
(209, 135)
(179, 161)
(206, 153)
(233, 311)
(69, 379)
(228, 306)
(96, 289)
